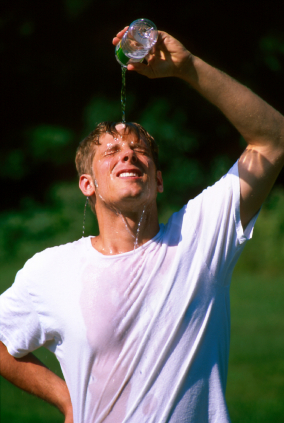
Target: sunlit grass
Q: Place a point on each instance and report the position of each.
(255, 389)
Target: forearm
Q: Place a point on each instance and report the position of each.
(259, 124)
(29, 374)
(257, 121)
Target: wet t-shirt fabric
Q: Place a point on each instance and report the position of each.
(141, 336)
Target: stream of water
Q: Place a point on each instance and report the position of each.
(123, 93)
(123, 103)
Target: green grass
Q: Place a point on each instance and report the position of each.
(255, 389)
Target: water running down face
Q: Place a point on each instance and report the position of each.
(122, 183)
(124, 172)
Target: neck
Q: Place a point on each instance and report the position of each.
(123, 231)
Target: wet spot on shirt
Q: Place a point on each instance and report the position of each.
(150, 404)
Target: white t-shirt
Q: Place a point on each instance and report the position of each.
(141, 336)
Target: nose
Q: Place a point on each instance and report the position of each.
(129, 156)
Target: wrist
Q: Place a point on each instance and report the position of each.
(186, 70)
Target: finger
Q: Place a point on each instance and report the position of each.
(121, 33)
(140, 68)
(135, 66)
(115, 41)
(119, 36)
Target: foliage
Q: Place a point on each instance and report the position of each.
(60, 78)
(34, 227)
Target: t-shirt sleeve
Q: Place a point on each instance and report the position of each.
(215, 216)
(20, 328)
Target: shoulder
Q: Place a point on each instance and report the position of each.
(224, 186)
(61, 255)
(217, 201)
(225, 190)
(204, 215)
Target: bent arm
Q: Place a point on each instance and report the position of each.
(261, 126)
(30, 374)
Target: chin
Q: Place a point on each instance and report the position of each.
(132, 194)
(134, 199)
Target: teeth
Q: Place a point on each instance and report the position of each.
(126, 174)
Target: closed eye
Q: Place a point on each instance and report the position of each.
(111, 151)
(141, 150)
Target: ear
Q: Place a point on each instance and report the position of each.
(86, 185)
(160, 185)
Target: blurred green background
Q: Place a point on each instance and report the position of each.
(59, 78)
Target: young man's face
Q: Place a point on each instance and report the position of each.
(124, 173)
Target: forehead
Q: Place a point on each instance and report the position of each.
(108, 140)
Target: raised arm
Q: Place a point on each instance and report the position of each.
(29, 374)
(261, 126)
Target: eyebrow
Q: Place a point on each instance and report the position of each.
(139, 142)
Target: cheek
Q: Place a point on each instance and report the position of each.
(102, 169)
(105, 176)
(146, 162)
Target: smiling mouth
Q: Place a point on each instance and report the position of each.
(129, 174)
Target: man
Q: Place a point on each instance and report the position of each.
(139, 315)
